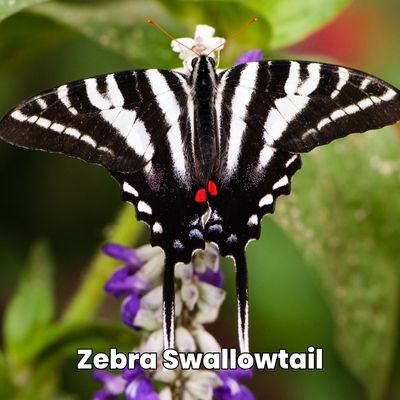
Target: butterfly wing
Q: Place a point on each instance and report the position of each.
(107, 120)
(137, 125)
(269, 112)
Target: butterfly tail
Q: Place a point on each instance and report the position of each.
(242, 301)
(169, 303)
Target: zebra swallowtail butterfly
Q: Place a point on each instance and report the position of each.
(204, 155)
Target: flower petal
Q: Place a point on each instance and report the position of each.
(152, 270)
(204, 31)
(206, 342)
(165, 393)
(123, 253)
(113, 385)
(148, 319)
(252, 55)
(214, 278)
(177, 44)
(129, 308)
(201, 384)
(184, 340)
(211, 294)
(154, 343)
(190, 295)
(140, 389)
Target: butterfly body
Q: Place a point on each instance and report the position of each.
(223, 145)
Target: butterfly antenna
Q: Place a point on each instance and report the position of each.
(231, 37)
(242, 301)
(161, 29)
(169, 303)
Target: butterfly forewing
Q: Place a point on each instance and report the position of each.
(310, 104)
(113, 120)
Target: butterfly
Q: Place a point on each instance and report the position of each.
(203, 155)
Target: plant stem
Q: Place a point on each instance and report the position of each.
(88, 298)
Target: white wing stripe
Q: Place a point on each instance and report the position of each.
(266, 200)
(343, 78)
(62, 94)
(166, 100)
(293, 80)
(266, 155)
(240, 103)
(113, 92)
(126, 187)
(312, 81)
(281, 182)
(95, 97)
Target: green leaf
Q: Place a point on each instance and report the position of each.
(25, 37)
(343, 215)
(10, 7)
(121, 26)
(7, 388)
(292, 20)
(32, 307)
(63, 339)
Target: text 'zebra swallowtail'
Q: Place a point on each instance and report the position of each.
(188, 144)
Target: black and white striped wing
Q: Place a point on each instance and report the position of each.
(138, 125)
(302, 105)
(269, 112)
(113, 120)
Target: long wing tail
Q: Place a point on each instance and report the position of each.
(169, 303)
(242, 301)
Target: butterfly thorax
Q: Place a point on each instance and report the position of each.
(203, 82)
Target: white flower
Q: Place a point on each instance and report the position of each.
(184, 340)
(165, 394)
(205, 341)
(209, 302)
(199, 385)
(204, 43)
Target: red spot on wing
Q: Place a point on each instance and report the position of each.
(201, 196)
(212, 188)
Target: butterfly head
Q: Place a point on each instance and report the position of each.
(203, 64)
(202, 71)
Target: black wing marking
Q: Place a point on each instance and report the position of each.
(268, 112)
(113, 120)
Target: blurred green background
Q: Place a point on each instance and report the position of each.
(326, 270)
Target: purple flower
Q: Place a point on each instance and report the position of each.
(139, 387)
(114, 385)
(252, 55)
(231, 389)
(123, 253)
(130, 307)
(123, 281)
(214, 278)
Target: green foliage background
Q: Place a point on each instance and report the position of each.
(325, 272)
